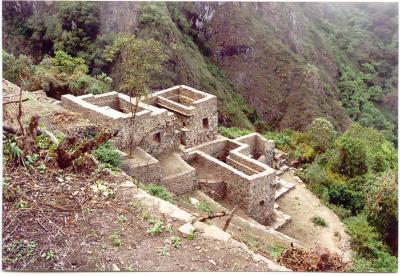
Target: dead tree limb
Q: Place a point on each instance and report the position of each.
(230, 218)
(211, 216)
(29, 139)
(19, 117)
(65, 159)
(10, 130)
(15, 101)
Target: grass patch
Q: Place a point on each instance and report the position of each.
(108, 155)
(158, 227)
(276, 250)
(233, 132)
(158, 191)
(319, 221)
(115, 239)
(206, 207)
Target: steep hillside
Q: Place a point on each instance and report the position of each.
(272, 65)
(286, 91)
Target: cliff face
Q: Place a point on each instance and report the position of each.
(265, 50)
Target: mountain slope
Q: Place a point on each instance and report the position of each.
(274, 65)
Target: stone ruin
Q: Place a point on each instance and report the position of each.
(176, 144)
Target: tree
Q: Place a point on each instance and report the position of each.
(139, 61)
(322, 134)
(381, 205)
(63, 74)
(352, 156)
(18, 70)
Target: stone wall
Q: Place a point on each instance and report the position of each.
(144, 167)
(218, 149)
(196, 112)
(258, 146)
(262, 199)
(237, 185)
(240, 178)
(181, 183)
(107, 99)
(216, 189)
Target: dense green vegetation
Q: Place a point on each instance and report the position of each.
(158, 191)
(355, 174)
(233, 132)
(364, 40)
(56, 75)
(108, 155)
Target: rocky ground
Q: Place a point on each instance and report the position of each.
(91, 221)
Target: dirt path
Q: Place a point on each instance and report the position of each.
(301, 204)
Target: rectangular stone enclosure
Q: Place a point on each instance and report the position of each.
(174, 136)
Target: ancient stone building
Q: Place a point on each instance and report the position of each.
(176, 145)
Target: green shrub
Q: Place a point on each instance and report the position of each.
(372, 255)
(304, 153)
(384, 263)
(233, 132)
(365, 238)
(315, 174)
(282, 139)
(158, 191)
(353, 156)
(322, 134)
(12, 150)
(382, 204)
(343, 195)
(17, 70)
(319, 221)
(108, 155)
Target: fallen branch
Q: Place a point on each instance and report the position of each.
(228, 221)
(65, 159)
(15, 101)
(211, 216)
(9, 129)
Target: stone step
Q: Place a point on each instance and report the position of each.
(280, 220)
(283, 188)
(280, 191)
(286, 184)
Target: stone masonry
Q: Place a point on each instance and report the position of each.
(176, 145)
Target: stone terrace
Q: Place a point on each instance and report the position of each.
(176, 145)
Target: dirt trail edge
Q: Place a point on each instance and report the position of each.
(302, 205)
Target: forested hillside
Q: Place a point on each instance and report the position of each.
(318, 78)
